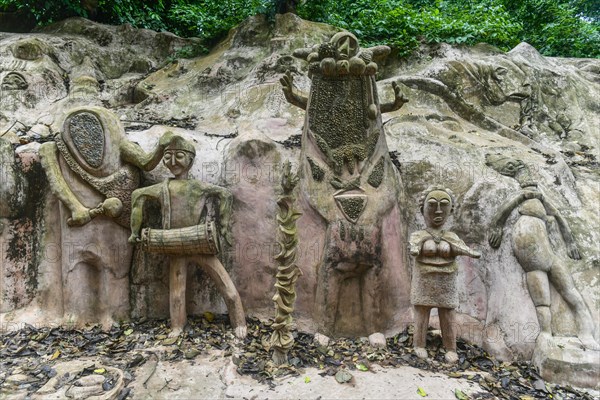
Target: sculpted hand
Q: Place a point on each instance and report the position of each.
(134, 238)
(495, 237)
(413, 249)
(79, 218)
(287, 83)
(165, 139)
(475, 254)
(573, 251)
(399, 97)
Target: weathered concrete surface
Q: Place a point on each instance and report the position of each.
(213, 376)
(463, 104)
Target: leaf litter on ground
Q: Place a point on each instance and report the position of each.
(34, 351)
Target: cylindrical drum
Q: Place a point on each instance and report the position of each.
(197, 239)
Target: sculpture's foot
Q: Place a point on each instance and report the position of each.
(241, 331)
(175, 331)
(451, 357)
(545, 340)
(421, 352)
(589, 342)
(107, 323)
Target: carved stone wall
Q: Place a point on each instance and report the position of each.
(463, 104)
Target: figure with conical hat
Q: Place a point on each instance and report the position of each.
(184, 237)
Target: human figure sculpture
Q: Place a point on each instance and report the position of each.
(183, 237)
(434, 277)
(93, 169)
(531, 246)
(349, 181)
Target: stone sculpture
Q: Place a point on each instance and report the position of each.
(348, 178)
(434, 277)
(184, 237)
(287, 271)
(92, 169)
(533, 250)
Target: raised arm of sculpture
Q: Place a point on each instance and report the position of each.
(133, 153)
(80, 215)
(138, 198)
(495, 233)
(572, 249)
(298, 99)
(399, 100)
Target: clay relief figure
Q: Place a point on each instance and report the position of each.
(347, 176)
(531, 246)
(92, 169)
(434, 277)
(184, 237)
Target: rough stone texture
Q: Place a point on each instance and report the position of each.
(568, 363)
(464, 103)
(213, 376)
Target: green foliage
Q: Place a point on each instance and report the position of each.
(207, 19)
(559, 28)
(568, 28)
(45, 11)
(401, 23)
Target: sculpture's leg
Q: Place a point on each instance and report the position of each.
(420, 334)
(116, 297)
(177, 283)
(215, 270)
(327, 297)
(82, 294)
(448, 327)
(370, 292)
(539, 290)
(565, 286)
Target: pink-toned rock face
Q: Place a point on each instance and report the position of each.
(464, 103)
(351, 188)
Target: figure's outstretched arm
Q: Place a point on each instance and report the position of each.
(138, 198)
(297, 99)
(80, 214)
(498, 221)
(133, 153)
(465, 251)
(572, 249)
(399, 100)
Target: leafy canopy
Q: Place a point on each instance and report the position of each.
(569, 28)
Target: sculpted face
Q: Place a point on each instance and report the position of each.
(178, 161)
(437, 208)
(346, 43)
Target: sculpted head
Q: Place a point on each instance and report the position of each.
(179, 156)
(346, 44)
(437, 203)
(510, 166)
